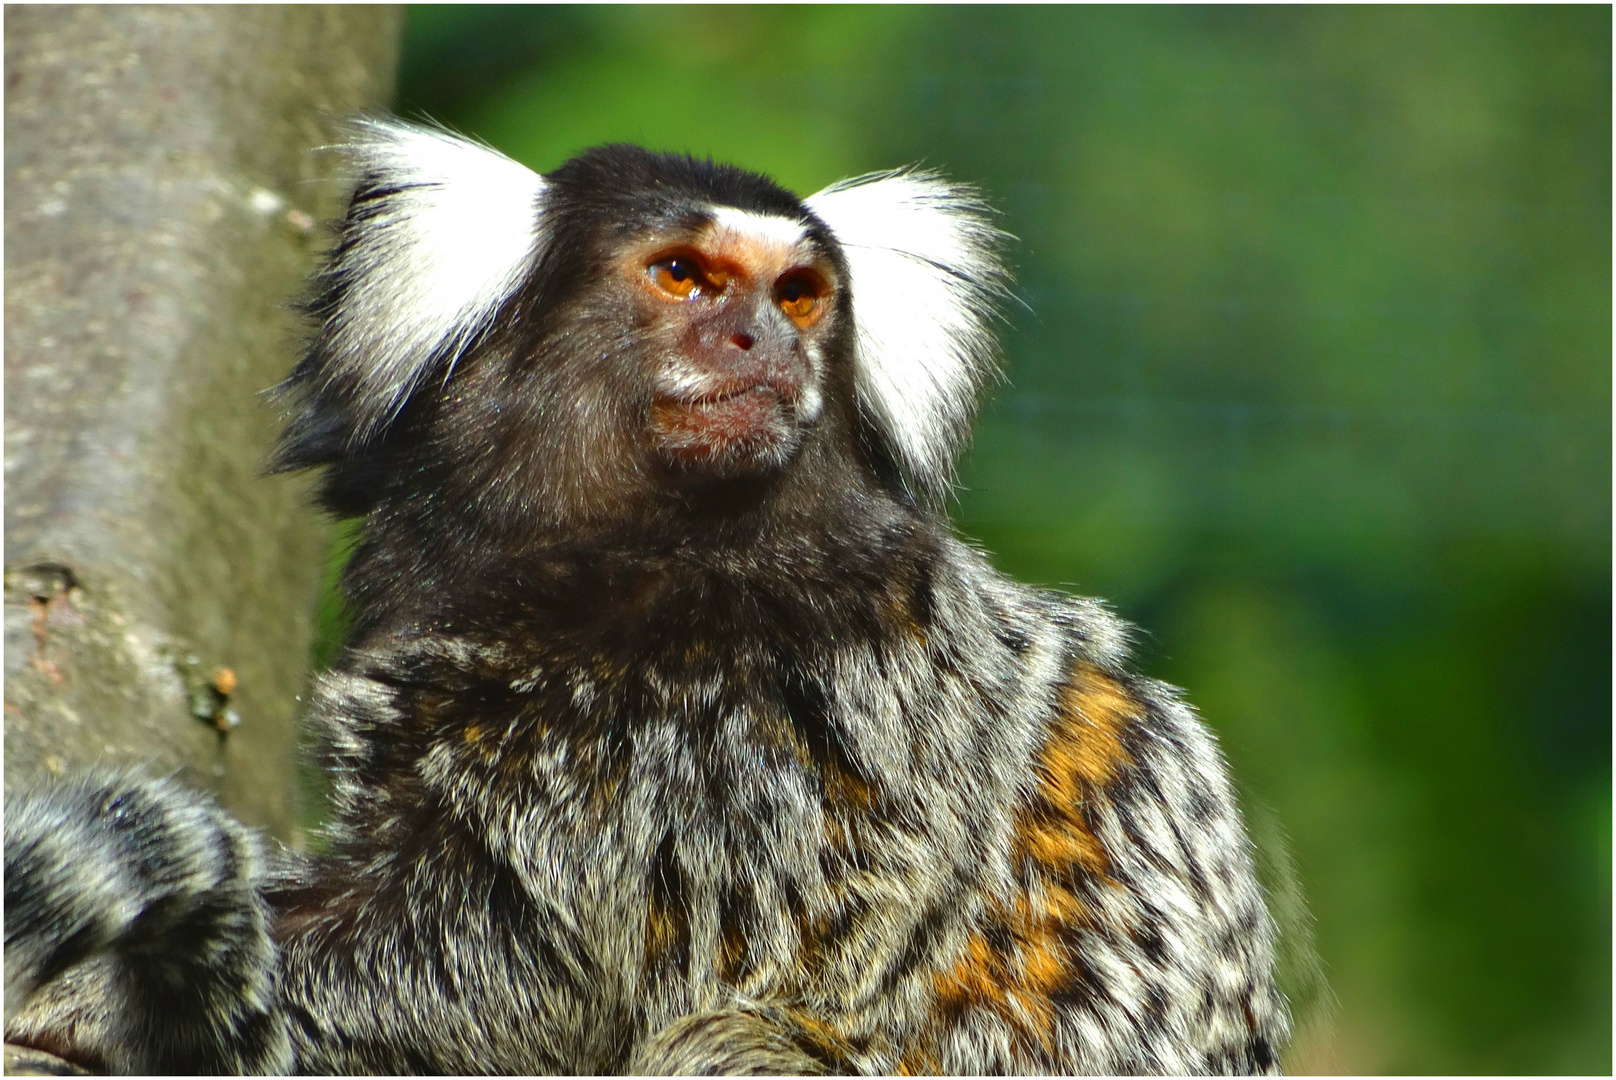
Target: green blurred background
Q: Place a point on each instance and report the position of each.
(1313, 381)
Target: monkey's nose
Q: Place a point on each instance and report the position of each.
(742, 340)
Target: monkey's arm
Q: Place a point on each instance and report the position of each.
(136, 938)
(756, 1041)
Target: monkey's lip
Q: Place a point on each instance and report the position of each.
(781, 389)
(733, 413)
(727, 426)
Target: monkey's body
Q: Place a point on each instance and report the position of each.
(751, 766)
(632, 788)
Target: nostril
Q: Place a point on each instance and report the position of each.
(744, 341)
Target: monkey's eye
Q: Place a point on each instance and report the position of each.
(680, 277)
(799, 296)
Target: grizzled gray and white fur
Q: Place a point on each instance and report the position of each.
(676, 731)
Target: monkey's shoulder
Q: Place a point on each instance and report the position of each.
(1129, 877)
(1128, 786)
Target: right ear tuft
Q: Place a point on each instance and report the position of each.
(923, 255)
(438, 236)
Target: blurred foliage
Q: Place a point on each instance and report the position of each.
(1313, 381)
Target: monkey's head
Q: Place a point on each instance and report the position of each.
(708, 295)
(636, 335)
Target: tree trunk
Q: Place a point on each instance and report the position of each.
(161, 201)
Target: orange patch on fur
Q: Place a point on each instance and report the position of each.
(976, 979)
(901, 605)
(821, 1036)
(983, 978)
(846, 789)
(1083, 754)
(917, 1062)
(1064, 842)
(1094, 708)
(1056, 905)
(731, 952)
(665, 936)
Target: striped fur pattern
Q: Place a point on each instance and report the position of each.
(687, 772)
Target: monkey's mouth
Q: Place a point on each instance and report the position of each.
(734, 428)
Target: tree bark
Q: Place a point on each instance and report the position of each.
(160, 213)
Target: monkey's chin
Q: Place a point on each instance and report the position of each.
(746, 434)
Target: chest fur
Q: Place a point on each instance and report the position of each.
(789, 814)
(738, 824)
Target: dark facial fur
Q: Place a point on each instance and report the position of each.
(675, 734)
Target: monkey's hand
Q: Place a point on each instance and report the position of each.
(740, 1041)
(136, 938)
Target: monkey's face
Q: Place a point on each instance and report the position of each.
(637, 340)
(671, 359)
(738, 314)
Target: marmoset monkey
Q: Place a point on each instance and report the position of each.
(676, 731)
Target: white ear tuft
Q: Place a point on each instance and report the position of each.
(439, 235)
(926, 275)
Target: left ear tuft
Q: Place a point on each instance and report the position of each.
(438, 236)
(923, 256)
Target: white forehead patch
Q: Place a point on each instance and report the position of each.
(766, 227)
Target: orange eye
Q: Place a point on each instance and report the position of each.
(798, 296)
(679, 276)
